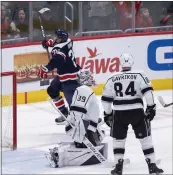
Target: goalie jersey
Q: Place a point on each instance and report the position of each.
(126, 90)
(85, 106)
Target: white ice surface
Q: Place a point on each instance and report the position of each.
(37, 132)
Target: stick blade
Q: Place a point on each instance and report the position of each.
(161, 101)
(44, 10)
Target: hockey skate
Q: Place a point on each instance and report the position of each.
(53, 157)
(153, 169)
(118, 168)
(60, 120)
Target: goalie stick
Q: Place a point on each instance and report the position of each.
(162, 102)
(88, 144)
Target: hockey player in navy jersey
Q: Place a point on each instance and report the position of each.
(84, 117)
(63, 60)
(125, 90)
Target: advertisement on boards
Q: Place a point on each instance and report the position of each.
(152, 54)
(96, 63)
(27, 66)
(160, 55)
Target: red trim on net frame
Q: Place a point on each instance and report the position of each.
(11, 73)
(92, 38)
(14, 112)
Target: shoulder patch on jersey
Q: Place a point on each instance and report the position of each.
(147, 80)
(55, 51)
(58, 52)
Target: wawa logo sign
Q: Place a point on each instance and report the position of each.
(98, 64)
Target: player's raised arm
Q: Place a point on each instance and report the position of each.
(58, 57)
(57, 61)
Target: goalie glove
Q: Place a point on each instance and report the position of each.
(150, 112)
(43, 72)
(108, 118)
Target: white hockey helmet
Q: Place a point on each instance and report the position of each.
(86, 78)
(126, 61)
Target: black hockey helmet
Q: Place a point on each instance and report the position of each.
(62, 34)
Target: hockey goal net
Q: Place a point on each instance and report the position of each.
(8, 111)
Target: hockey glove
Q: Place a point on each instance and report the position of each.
(150, 112)
(108, 118)
(43, 72)
(47, 43)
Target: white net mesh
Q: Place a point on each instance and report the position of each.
(7, 111)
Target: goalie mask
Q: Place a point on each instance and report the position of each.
(86, 78)
(126, 61)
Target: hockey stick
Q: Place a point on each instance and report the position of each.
(88, 144)
(162, 102)
(43, 10)
(44, 82)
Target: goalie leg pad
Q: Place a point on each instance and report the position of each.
(53, 157)
(50, 160)
(69, 155)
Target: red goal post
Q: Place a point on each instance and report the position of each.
(8, 110)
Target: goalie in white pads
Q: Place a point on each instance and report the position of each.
(126, 90)
(84, 116)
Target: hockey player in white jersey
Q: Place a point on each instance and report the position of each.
(126, 90)
(84, 116)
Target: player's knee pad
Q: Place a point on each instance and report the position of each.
(119, 143)
(52, 93)
(147, 147)
(146, 142)
(118, 148)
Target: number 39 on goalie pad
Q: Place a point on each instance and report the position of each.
(69, 155)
